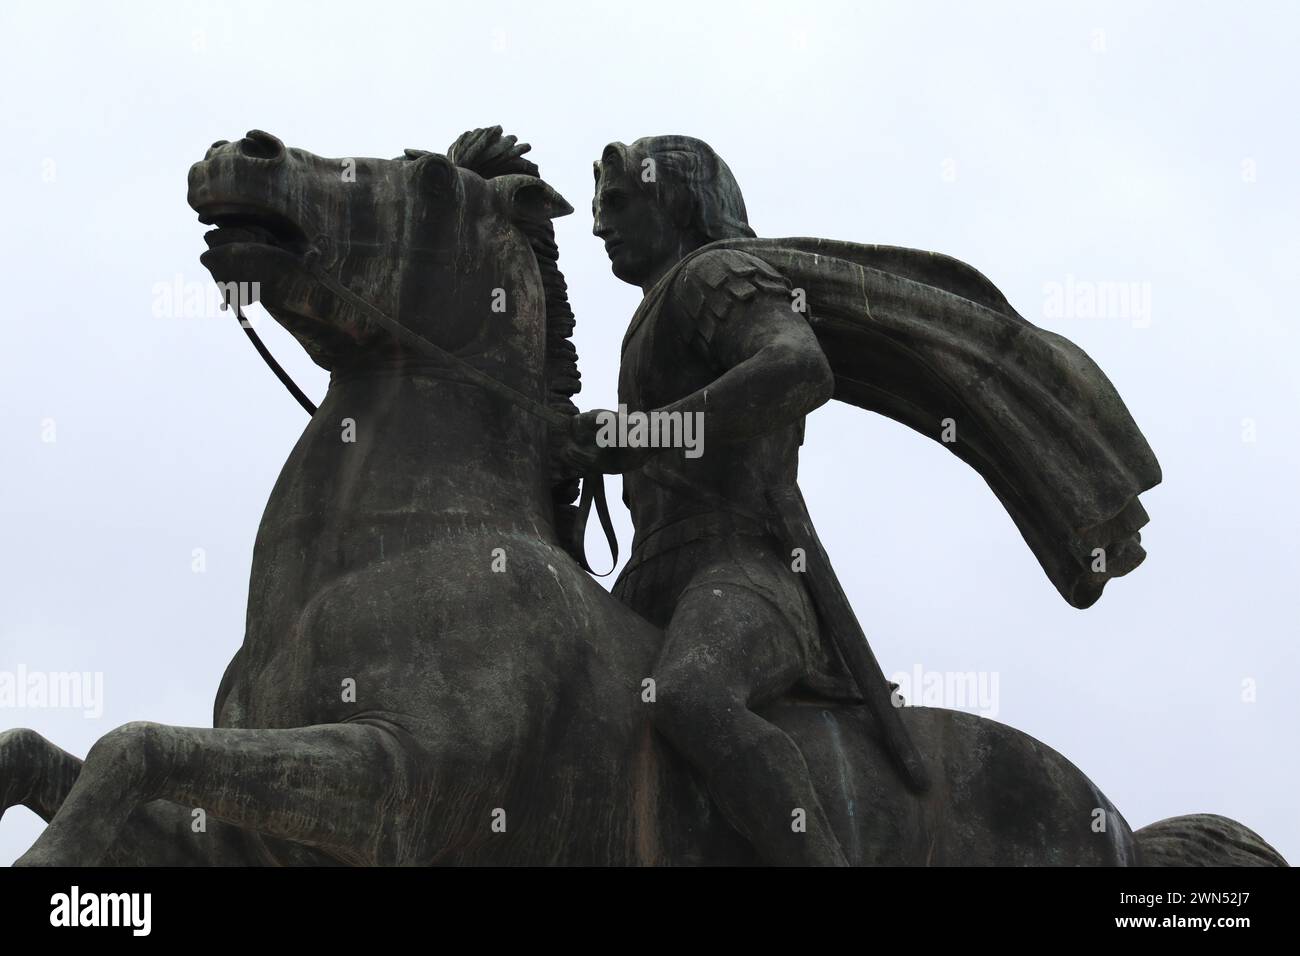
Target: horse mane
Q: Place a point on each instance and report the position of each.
(489, 152)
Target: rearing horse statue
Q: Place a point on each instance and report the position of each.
(428, 676)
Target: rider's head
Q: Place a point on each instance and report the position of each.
(660, 198)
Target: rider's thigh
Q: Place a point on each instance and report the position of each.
(727, 640)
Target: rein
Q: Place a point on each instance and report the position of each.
(593, 482)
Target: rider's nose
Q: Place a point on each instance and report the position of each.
(260, 145)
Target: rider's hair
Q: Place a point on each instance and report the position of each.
(698, 187)
(488, 152)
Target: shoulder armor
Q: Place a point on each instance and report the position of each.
(712, 284)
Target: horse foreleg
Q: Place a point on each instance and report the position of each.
(350, 789)
(39, 775)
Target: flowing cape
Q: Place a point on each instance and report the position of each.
(921, 338)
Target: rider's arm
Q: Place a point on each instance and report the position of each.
(772, 371)
(737, 312)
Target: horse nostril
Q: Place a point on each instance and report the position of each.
(215, 146)
(261, 145)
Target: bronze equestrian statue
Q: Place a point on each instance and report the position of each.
(429, 676)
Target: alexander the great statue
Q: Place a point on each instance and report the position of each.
(428, 675)
(753, 334)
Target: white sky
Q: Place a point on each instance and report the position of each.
(1124, 142)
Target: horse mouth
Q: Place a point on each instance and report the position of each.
(252, 225)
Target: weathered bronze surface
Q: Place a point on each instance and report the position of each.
(429, 677)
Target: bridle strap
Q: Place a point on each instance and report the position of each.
(593, 483)
(418, 342)
(275, 366)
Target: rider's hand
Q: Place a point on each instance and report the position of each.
(582, 452)
(577, 448)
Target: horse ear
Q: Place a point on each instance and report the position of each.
(435, 172)
(529, 198)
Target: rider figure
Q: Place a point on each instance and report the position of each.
(717, 335)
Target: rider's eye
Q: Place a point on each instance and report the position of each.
(614, 201)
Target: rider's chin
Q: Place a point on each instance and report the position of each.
(624, 266)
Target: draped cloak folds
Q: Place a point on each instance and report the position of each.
(921, 338)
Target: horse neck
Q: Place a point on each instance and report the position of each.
(407, 451)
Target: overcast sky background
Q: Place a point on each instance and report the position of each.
(1042, 143)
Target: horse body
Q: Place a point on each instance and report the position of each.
(427, 676)
(464, 628)
(407, 576)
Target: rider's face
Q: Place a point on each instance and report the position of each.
(640, 236)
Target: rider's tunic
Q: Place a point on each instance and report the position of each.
(699, 521)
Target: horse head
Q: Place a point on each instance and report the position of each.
(423, 238)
